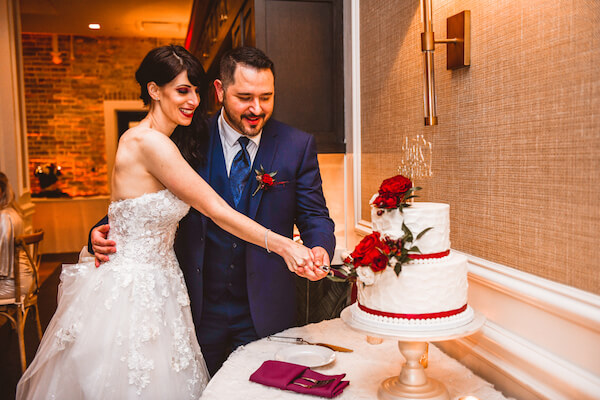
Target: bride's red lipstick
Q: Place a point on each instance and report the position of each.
(187, 113)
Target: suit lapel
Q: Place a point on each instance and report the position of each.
(264, 158)
(204, 169)
(213, 134)
(218, 178)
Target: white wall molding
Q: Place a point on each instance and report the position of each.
(356, 112)
(541, 338)
(521, 369)
(565, 301)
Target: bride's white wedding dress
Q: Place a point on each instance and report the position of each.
(124, 330)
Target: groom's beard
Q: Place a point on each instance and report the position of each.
(238, 124)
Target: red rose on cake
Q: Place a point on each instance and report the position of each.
(397, 185)
(393, 192)
(386, 201)
(379, 263)
(373, 251)
(367, 244)
(369, 248)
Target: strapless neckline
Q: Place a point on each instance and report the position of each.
(150, 194)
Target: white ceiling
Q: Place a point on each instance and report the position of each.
(137, 18)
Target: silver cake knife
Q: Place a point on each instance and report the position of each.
(298, 340)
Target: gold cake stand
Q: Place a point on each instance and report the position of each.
(412, 383)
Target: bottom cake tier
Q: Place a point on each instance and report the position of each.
(407, 324)
(427, 294)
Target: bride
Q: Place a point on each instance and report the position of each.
(125, 331)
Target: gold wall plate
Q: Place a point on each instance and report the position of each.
(459, 54)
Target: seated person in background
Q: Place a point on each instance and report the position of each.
(11, 226)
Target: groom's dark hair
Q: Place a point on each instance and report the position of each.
(245, 55)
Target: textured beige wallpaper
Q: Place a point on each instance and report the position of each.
(517, 150)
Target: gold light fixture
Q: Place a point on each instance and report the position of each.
(459, 53)
(55, 53)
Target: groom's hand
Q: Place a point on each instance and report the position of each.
(101, 245)
(321, 258)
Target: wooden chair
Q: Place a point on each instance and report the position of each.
(17, 308)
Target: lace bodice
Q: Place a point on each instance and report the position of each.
(144, 227)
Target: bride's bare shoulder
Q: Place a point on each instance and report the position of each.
(139, 132)
(144, 136)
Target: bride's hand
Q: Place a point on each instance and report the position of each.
(299, 259)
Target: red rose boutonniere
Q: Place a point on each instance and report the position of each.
(265, 180)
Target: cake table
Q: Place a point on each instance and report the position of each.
(412, 383)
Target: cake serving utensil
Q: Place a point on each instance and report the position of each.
(297, 340)
(314, 383)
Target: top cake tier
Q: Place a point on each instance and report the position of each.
(417, 218)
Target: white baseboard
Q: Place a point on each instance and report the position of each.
(541, 339)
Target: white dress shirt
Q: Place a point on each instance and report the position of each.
(231, 146)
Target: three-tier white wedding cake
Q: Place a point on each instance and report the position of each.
(425, 288)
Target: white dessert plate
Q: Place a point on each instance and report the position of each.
(308, 355)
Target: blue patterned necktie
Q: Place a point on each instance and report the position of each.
(240, 170)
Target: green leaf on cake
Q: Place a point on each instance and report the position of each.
(408, 236)
(424, 231)
(411, 190)
(398, 268)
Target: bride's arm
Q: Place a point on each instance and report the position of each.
(164, 161)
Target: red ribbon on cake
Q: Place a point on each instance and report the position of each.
(413, 316)
(430, 255)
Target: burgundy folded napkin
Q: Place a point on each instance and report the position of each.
(282, 375)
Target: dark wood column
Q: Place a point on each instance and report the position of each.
(304, 40)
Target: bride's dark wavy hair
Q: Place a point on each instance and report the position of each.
(161, 65)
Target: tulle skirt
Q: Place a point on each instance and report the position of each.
(121, 331)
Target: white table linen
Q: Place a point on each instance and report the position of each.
(366, 367)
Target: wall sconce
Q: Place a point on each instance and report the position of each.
(459, 53)
(55, 53)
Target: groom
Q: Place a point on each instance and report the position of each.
(240, 292)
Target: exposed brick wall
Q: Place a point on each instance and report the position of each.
(64, 103)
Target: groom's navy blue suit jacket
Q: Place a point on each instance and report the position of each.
(271, 287)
